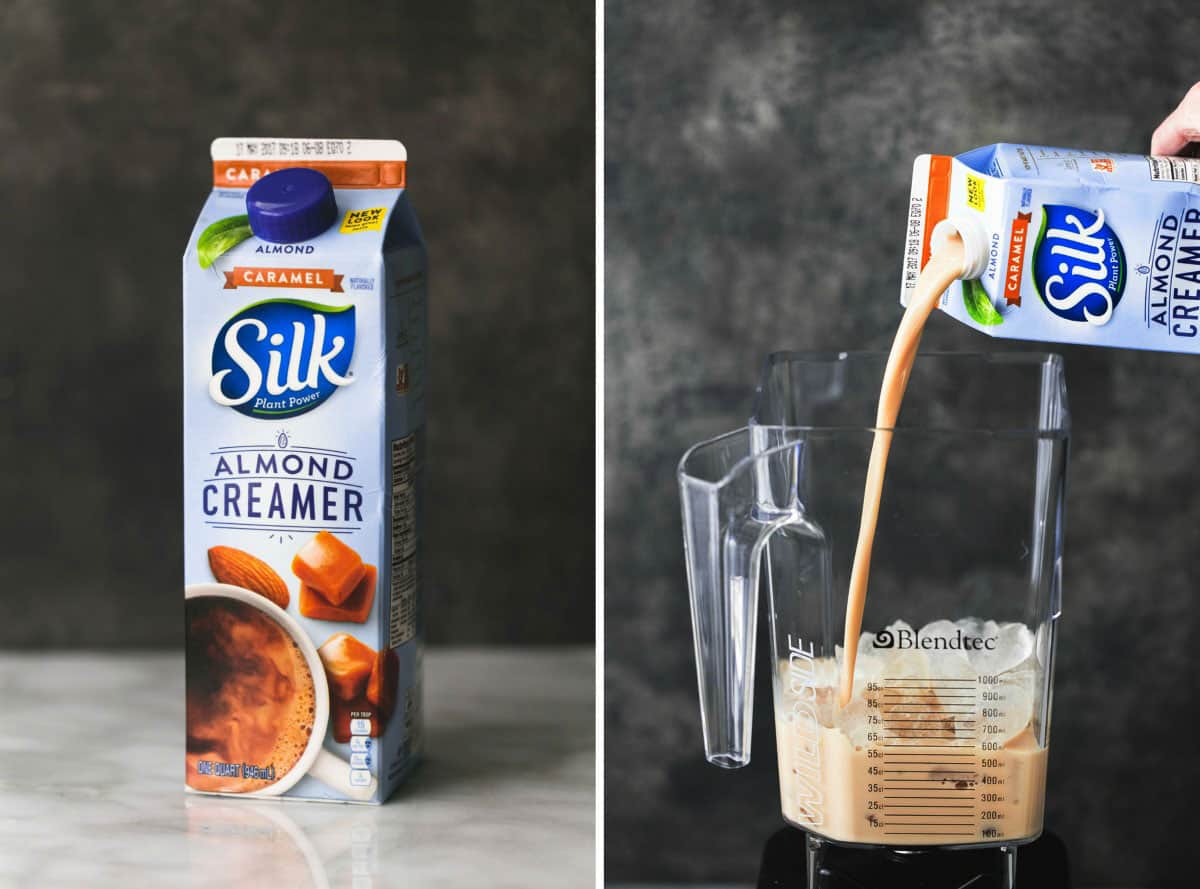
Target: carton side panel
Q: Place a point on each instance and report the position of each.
(405, 271)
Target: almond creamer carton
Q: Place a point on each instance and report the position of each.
(304, 338)
(1065, 245)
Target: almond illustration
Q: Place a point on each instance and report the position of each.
(237, 567)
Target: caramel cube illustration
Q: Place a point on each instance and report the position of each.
(329, 566)
(348, 665)
(355, 608)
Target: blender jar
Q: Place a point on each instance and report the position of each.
(944, 736)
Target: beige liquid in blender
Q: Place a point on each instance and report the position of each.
(935, 785)
(934, 780)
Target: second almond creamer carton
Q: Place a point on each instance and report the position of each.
(1065, 245)
(304, 338)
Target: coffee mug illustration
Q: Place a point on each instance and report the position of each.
(257, 699)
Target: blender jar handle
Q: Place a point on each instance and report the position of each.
(726, 522)
(723, 584)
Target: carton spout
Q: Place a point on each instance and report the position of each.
(974, 239)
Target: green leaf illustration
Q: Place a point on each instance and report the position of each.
(222, 235)
(979, 305)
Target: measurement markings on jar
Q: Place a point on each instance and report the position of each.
(940, 799)
(928, 709)
(949, 708)
(928, 758)
(922, 805)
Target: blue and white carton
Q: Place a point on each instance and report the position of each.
(1065, 245)
(304, 374)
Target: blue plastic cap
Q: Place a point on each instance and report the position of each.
(292, 205)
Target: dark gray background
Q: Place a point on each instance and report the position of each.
(106, 113)
(758, 157)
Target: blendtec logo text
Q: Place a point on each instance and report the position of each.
(905, 638)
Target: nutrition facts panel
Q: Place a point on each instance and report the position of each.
(1174, 169)
(402, 622)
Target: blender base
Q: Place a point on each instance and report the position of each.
(793, 860)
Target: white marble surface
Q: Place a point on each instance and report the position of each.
(91, 785)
